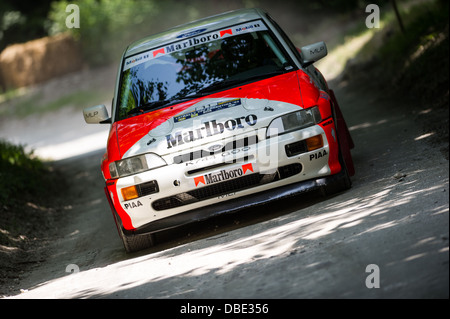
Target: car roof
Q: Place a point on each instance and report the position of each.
(201, 26)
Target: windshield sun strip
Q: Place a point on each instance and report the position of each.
(223, 32)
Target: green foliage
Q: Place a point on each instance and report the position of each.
(423, 24)
(418, 58)
(21, 174)
(22, 21)
(16, 155)
(106, 26)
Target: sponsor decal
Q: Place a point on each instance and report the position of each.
(247, 167)
(133, 204)
(241, 151)
(201, 160)
(228, 31)
(216, 147)
(193, 41)
(153, 140)
(191, 33)
(159, 51)
(317, 155)
(135, 60)
(208, 129)
(225, 195)
(328, 122)
(223, 175)
(208, 109)
(324, 95)
(198, 180)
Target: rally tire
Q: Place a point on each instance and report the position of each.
(134, 242)
(339, 185)
(137, 242)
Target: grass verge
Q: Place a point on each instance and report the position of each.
(418, 57)
(411, 67)
(28, 188)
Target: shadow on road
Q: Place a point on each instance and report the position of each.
(304, 247)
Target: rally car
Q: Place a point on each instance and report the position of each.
(214, 116)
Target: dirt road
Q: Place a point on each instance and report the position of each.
(393, 224)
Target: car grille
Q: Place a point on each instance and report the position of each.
(191, 156)
(226, 187)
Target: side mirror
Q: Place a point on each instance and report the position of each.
(96, 114)
(313, 52)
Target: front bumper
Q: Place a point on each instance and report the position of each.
(189, 190)
(235, 205)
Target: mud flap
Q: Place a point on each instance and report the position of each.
(345, 139)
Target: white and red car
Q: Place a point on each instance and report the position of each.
(214, 116)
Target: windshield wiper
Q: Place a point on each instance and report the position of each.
(148, 106)
(229, 83)
(154, 105)
(216, 86)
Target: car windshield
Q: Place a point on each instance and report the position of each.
(198, 66)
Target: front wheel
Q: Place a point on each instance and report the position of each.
(134, 242)
(338, 185)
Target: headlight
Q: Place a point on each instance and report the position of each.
(136, 164)
(294, 121)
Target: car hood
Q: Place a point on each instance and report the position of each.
(241, 110)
